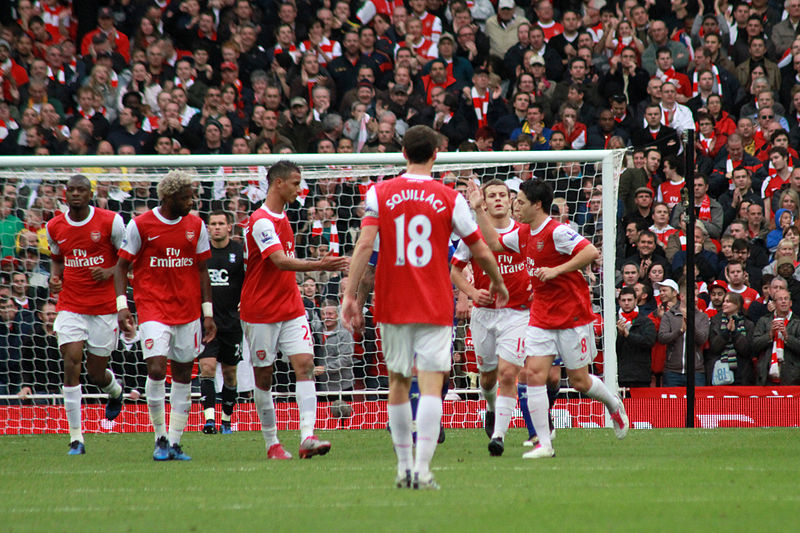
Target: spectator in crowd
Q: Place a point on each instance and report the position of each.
(776, 342)
(730, 337)
(636, 335)
(671, 332)
(334, 371)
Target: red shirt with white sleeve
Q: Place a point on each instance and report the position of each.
(512, 268)
(669, 192)
(415, 216)
(165, 254)
(269, 294)
(749, 295)
(82, 245)
(564, 301)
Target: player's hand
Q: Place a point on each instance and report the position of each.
(474, 195)
(546, 273)
(333, 263)
(482, 297)
(100, 273)
(352, 316)
(209, 329)
(24, 392)
(463, 308)
(500, 292)
(55, 284)
(125, 322)
(319, 370)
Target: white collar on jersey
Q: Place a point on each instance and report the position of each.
(159, 216)
(276, 215)
(415, 176)
(507, 228)
(540, 228)
(78, 223)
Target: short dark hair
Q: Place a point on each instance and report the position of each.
(536, 190)
(627, 290)
(219, 212)
(494, 182)
(281, 170)
(420, 143)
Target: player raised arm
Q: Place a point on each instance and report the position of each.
(352, 318)
(476, 202)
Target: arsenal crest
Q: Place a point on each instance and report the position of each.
(95, 236)
(539, 245)
(261, 354)
(189, 235)
(148, 344)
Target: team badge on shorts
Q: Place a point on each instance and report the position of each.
(480, 360)
(149, 344)
(261, 354)
(95, 236)
(189, 235)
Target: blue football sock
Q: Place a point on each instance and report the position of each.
(522, 392)
(413, 397)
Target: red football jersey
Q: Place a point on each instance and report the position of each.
(164, 254)
(415, 216)
(749, 295)
(669, 192)
(269, 294)
(92, 242)
(564, 301)
(512, 268)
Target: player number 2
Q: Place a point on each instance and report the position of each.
(419, 250)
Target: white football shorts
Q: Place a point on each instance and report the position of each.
(98, 332)
(575, 346)
(498, 332)
(290, 337)
(430, 343)
(180, 343)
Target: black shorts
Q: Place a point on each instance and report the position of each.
(225, 348)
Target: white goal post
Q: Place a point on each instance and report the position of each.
(604, 166)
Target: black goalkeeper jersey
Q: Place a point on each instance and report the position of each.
(226, 270)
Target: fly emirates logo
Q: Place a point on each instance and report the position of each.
(173, 260)
(507, 266)
(416, 195)
(80, 258)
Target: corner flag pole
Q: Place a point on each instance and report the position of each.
(689, 347)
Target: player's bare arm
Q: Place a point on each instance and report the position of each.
(351, 310)
(209, 326)
(328, 263)
(124, 316)
(486, 260)
(479, 296)
(584, 257)
(478, 204)
(56, 276)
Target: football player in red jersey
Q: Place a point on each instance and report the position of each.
(272, 311)
(83, 246)
(415, 216)
(561, 313)
(168, 248)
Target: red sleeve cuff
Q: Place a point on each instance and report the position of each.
(580, 246)
(472, 238)
(271, 250)
(458, 263)
(126, 255)
(369, 221)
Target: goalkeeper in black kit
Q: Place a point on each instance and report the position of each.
(226, 270)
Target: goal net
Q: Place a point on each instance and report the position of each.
(351, 377)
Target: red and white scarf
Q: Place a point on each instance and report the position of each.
(717, 84)
(317, 229)
(58, 76)
(707, 142)
(481, 106)
(705, 209)
(776, 360)
(629, 317)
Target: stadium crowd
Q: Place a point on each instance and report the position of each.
(325, 76)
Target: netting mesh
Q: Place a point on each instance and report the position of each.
(326, 217)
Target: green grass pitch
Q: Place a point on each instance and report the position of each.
(655, 480)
